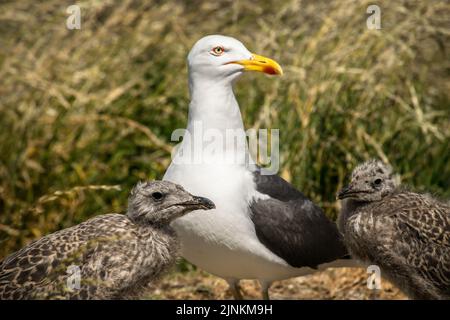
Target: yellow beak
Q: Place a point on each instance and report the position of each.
(261, 64)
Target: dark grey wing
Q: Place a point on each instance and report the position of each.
(292, 226)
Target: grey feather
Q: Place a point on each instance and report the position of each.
(292, 226)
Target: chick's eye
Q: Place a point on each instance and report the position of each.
(157, 196)
(377, 182)
(217, 51)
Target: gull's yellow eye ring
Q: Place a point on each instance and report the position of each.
(217, 51)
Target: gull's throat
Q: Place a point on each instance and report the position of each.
(215, 124)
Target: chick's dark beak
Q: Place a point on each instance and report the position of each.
(201, 203)
(344, 192)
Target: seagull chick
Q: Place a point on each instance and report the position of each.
(406, 234)
(111, 256)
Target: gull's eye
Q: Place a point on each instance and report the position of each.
(157, 196)
(377, 182)
(217, 51)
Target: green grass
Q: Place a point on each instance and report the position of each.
(84, 111)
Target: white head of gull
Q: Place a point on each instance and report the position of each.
(262, 227)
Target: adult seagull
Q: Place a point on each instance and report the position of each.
(262, 227)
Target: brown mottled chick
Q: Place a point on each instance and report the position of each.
(406, 234)
(111, 256)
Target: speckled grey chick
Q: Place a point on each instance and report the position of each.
(406, 234)
(111, 256)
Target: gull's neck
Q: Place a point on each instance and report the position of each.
(214, 121)
(214, 105)
(350, 207)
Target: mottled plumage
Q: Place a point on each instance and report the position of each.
(406, 234)
(116, 255)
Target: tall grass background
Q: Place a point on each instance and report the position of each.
(85, 114)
